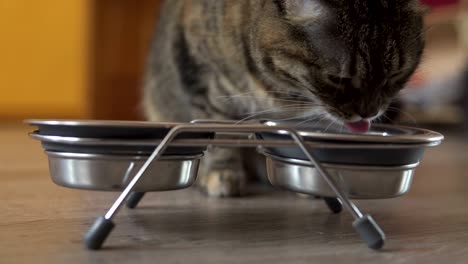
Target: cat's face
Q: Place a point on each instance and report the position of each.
(350, 57)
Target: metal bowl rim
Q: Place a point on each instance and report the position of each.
(94, 141)
(144, 142)
(121, 157)
(423, 136)
(305, 163)
(100, 123)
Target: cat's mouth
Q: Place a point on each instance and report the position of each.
(361, 126)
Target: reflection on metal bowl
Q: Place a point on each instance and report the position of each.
(358, 182)
(114, 172)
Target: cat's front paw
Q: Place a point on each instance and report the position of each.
(223, 183)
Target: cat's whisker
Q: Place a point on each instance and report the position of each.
(286, 95)
(386, 117)
(263, 98)
(377, 119)
(276, 92)
(324, 117)
(412, 119)
(300, 106)
(329, 125)
(341, 128)
(287, 119)
(313, 116)
(321, 116)
(281, 109)
(291, 106)
(307, 100)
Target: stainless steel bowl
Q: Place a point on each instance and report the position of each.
(358, 182)
(106, 146)
(384, 145)
(379, 133)
(113, 172)
(107, 129)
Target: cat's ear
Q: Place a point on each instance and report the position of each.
(303, 9)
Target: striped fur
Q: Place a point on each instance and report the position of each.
(225, 59)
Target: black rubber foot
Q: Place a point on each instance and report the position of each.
(98, 233)
(333, 204)
(370, 232)
(134, 199)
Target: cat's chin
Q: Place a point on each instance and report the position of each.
(361, 126)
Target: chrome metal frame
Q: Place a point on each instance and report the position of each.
(297, 140)
(364, 224)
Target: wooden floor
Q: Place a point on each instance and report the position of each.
(44, 223)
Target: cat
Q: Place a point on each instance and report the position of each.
(240, 59)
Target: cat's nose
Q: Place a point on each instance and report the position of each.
(368, 114)
(365, 115)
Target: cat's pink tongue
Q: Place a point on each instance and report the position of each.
(358, 127)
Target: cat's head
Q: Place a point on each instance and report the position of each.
(350, 57)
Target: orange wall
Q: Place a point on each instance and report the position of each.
(43, 58)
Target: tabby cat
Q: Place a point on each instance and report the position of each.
(238, 59)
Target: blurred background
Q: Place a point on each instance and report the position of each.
(73, 58)
(84, 59)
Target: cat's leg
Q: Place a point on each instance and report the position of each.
(255, 166)
(222, 173)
